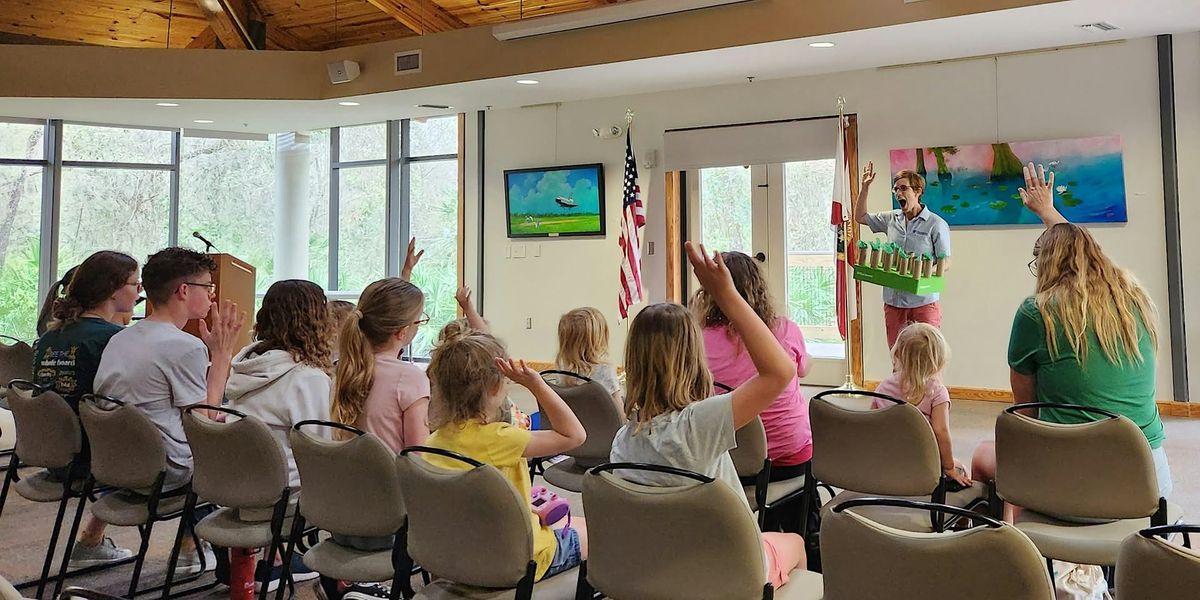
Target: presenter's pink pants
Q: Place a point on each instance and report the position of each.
(897, 319)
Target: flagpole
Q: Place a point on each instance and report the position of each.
(850, 293)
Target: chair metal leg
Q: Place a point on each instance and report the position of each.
(10, 476)
(70, 543)
(62, 511)
(1050, 567)
(810, 491)
(145, 530)
(401, 567)
(293, 539)
(583, 589)
(525, 587)
(189, 507)
(276, 540)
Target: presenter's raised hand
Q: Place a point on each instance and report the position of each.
(411, 259)
(1038, 194)
(868, 176)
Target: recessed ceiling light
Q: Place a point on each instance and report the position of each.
(202, 121)
(528, 81)
(821, 45)
(166, 104)
(348, 103)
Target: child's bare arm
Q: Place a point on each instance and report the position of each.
(940, 419)
(568, 432)
(463, 296)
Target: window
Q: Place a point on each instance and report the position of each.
(318, 197)
(227, 193)
(362, 223)
(433, 209)
(363, 142)
(93, 143)
(20, 218)
(725, 217)
(112, 209)
(21, 140)
(812, 261)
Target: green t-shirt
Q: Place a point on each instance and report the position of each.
(68, 358)
(1126, 389)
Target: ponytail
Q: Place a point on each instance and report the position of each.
(90, 285)
(46, 315)
(355, 371)
(385, 307)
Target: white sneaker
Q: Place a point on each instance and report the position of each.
(105, 552)
(189, 563)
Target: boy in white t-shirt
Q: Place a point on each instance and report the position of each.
(158, 368)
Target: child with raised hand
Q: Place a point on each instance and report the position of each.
(468, 373)
(374, 390)
(583, 349)
(674, 417)
(918, 359)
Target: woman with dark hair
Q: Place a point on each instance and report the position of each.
(282, 377)
(789, 436)
(67, 356)
(54, 295)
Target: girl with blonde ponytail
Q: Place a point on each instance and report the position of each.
(376, 391)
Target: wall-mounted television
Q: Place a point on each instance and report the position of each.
(555, 201)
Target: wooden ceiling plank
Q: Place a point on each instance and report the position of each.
(230, 20)
(205, 39)
(421, 16)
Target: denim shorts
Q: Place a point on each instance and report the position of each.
(568, 554)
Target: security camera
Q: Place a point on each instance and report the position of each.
(611, 131)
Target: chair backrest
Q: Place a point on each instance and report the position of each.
(7, 591)
(636, 535)
(127, 449)
(861, 558)
(888, 451)
(16, 360)
(465, 525)
(751, 451)
(593, 406)
(1151, 567)
(237, 463)
(50, 436)
(349, 487)
(1099, 469)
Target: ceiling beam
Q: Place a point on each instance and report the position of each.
(230, 20)
(205, 39)
(421, 16)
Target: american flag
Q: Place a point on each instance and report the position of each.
(633, 219)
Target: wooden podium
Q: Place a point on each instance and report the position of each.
(234, 279)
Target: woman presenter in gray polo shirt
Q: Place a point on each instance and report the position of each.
(915, 229)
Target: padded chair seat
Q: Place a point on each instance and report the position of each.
(129, 508)
(558, 587)
(566, 474)
(39, 487)
(776, 490)
(1083, 543)
(341, 562)
(907, 519)
(225, 528)
(802, 585)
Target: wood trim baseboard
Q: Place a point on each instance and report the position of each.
(1167, 408)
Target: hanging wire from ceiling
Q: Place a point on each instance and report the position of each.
(335, 23)
(170, 18)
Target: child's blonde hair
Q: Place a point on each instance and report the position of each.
(920, 354)
(665, 368)
(582, 340)
(385, 307)
(454, 329)
(462, 375)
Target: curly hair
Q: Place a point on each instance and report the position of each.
(751, 285)
(294, 317)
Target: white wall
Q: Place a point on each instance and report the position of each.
(1187, 122)
(1070, 93)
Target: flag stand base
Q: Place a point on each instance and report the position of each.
(849, 385)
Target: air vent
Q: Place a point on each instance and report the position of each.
(1099, 27)
(407, 62)
(435, 106)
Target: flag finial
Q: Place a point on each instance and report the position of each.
(629, 115)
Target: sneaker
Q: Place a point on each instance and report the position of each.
(189, 563)
(366, 591)
(300, 573)
(103, 553)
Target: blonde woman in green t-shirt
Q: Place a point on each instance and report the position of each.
(1087, 336)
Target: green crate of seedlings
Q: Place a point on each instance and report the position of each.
(886, 264)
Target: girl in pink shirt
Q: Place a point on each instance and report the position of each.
(789, 435)
(374, 390)
(918, 359)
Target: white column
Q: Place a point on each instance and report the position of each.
(291, 206)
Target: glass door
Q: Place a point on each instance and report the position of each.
(779, 213)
